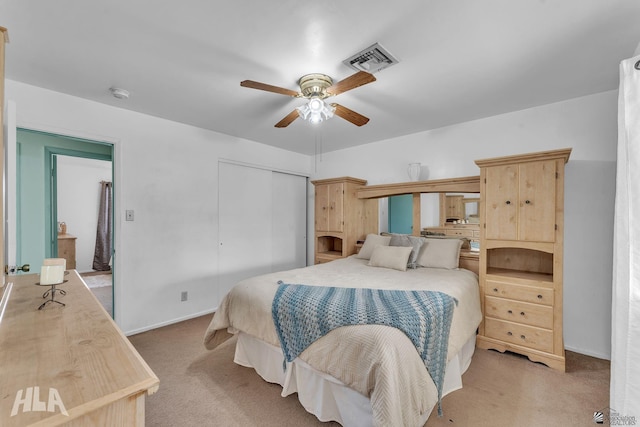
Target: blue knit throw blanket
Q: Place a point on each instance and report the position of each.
(302, 314)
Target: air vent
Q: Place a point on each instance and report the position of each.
(371, 60)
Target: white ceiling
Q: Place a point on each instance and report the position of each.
(460, 60)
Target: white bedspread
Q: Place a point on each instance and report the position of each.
(378, 361)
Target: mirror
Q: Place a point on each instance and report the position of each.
(459, 208)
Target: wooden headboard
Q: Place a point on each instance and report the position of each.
(469, 184)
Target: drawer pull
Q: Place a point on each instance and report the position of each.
(496, 290)
(539, 296)
(528, 202)
(509, 333)
(522, 313)
(508, 202)
(523, 337)
(509, 311)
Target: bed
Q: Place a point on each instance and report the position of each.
(358, 375)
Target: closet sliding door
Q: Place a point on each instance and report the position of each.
(262, 223)
(288, 221)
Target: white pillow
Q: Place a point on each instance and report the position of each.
(394, 257)
(440, 253)
(370, 243)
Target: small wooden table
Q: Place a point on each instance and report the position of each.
(69, 359)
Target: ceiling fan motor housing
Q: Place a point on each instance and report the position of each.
(315, 85)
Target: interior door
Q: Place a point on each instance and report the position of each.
(10, 174)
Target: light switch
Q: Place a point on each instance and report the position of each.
(129, 215)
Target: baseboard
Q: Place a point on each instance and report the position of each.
(170, 322)
(588, 352)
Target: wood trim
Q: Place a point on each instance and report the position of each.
(339, 180)
(530, 157)
(469, 184)
(5, 39)
(417, 214)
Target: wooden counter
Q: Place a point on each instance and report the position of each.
(76, 356)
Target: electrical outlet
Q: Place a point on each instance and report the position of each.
(129, 215)
(184, 296)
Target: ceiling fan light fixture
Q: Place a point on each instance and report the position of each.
(315, 85)
(316, 110)
(316, 105)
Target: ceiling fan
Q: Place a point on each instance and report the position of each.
(316, 88)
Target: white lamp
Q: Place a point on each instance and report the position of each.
(316, 110)
(52, 271)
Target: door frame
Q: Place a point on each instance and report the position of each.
(51, 190)
(50, 184)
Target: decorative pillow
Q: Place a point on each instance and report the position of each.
(408, 241)
(370, 243)
(440, 253)
(394, 257)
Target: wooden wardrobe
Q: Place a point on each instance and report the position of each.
(521, 255)
(341, 219)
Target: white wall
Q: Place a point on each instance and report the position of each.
(589, 126)
(79, 202)
(167, 172)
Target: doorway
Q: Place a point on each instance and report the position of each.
(65, 190)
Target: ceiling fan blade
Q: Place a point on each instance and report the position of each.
(355, 80)
(269, 88)
(350, 115)
(288, 119)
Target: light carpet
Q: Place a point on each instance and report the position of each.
(205, 388)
